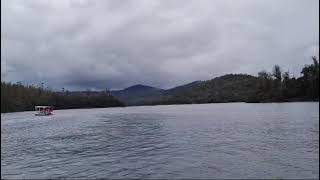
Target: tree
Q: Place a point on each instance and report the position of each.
(285, 76)
(265, 81)
(285, 84)
(310, 79)
(263, 75)
(276, 72)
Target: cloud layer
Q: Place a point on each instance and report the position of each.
(80, 44)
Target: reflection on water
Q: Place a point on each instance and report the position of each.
(187, 141)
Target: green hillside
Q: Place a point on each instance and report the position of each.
(276, 86)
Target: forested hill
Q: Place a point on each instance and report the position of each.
(138, 95)
(275, 86)
(17, 97)
(227, 88)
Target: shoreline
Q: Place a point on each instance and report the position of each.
(268, 102)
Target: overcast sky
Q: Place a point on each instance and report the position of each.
(80, 44)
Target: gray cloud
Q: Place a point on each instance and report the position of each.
(81, 44)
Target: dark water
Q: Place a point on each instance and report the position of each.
(186, 141)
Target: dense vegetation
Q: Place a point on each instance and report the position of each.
(227, 88)
(277, 86)
(17, 97)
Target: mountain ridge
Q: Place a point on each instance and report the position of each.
(147, 95)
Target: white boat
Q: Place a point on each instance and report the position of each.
(43, 110)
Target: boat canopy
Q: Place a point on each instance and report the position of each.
(43, 107)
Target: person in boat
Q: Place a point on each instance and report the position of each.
(43, 110)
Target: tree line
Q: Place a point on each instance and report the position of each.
(275, 86)
(17, 97)
(278, 86)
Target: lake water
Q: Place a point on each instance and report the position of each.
(235, 140)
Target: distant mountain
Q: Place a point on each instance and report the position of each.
(140, 89)
(138, 94)
(182, 88)
(227, 88)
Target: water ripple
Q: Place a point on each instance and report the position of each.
(226, 141)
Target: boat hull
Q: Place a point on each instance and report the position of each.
(43, 114)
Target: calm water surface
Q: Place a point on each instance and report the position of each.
(237, 140)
